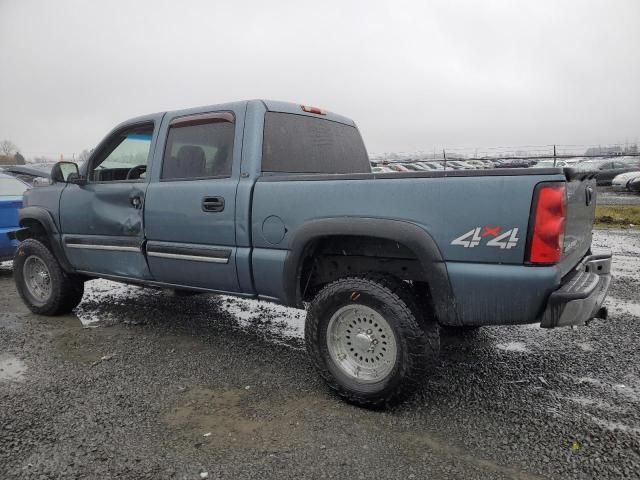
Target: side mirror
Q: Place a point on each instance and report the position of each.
(66, 172)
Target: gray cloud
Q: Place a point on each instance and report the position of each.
(413, 75)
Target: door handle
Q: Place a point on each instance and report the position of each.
(135, 201)
(213, 204)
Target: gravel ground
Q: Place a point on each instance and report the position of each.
(608, 196)
(142, 384)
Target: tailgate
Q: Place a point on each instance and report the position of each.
(581, 209)
(9, 211)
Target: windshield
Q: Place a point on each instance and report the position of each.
(10, 187)
(132, 150)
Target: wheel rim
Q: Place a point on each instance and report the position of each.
(37, 278)
(361, 343)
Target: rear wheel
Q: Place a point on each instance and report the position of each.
(44, 287)
(369, 340)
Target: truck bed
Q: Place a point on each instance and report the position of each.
(446, 205)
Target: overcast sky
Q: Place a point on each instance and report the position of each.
(413, 75)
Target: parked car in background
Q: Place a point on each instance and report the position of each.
(574, 160)
(621, 182)
(11, 190)
(551, 164)
(397, 167)
(381, 169)
(490, 163)
(477, 164)
(416, 167)
(456, 165)
(606, 169)
(432, 165)
(33, 173)
(634, 185)
(514, 163)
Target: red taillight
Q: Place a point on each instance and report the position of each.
(315, 110)
(550, 213)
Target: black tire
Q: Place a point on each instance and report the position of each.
(415, 330)
(65, 291)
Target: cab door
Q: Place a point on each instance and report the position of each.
(102, 220)
(191, 201)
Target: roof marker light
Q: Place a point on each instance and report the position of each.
(315, 110)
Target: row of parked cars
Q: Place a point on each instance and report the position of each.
(607, 169)
(11, 190)
(14, 181)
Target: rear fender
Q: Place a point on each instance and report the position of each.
(408, 234)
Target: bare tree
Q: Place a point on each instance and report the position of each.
(7, 147)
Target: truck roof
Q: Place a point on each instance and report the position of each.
(269, 105)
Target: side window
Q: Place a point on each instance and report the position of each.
(199, 146)
(124, 157)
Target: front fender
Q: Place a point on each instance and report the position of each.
(26, 218)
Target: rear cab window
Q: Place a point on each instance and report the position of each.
(302, 144)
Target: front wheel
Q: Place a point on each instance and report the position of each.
(369, 339)
(44, 287)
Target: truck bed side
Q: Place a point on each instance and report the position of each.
(445, 207)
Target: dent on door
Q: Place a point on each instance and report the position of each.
(103, 228)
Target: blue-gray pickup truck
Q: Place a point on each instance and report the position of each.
(277, 201)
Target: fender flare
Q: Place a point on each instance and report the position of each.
(409, 234)
(44, 217)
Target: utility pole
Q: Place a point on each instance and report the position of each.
(444, 155)
(554, 156)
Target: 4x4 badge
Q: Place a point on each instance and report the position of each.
(473, 238)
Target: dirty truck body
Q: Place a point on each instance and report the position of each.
(276, 201)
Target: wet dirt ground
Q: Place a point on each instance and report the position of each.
(141, 384)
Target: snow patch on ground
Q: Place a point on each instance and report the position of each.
(518, 347)
(585, 347)
(12, 369)
(597, 403)
(621, 242)
(614, 426)
(618, 305)
(284, 321)
(247, 311)
(630, 391)
(94, 290)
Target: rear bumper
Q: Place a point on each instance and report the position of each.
(580, 297)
